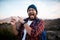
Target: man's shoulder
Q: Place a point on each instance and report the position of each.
(40, 20)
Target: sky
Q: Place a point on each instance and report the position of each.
(47, 9)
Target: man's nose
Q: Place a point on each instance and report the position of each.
(31, 12)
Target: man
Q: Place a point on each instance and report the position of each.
(32, 27)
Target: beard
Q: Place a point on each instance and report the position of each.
(32, 17)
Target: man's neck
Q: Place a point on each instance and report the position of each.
(32, 19)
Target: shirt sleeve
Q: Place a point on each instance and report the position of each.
(39, 30)
(17, 25)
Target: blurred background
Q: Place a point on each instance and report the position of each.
(48, 10)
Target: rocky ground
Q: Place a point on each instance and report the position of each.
(52, 28)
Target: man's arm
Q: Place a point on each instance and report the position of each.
(15, 25)
(35, 32)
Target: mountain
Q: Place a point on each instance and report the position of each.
(8, 20)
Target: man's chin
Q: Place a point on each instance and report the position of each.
(31, 18)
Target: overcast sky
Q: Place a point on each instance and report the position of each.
(47, 9)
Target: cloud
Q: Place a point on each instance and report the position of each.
(46, 10)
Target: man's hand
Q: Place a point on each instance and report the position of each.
(13, 21)
(21, 19)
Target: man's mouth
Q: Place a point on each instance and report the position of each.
(32, 14)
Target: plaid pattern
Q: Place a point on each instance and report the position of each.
(37, 28)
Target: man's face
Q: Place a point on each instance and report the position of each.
(32, 13)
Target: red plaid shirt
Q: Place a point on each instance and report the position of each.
(37, 28)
